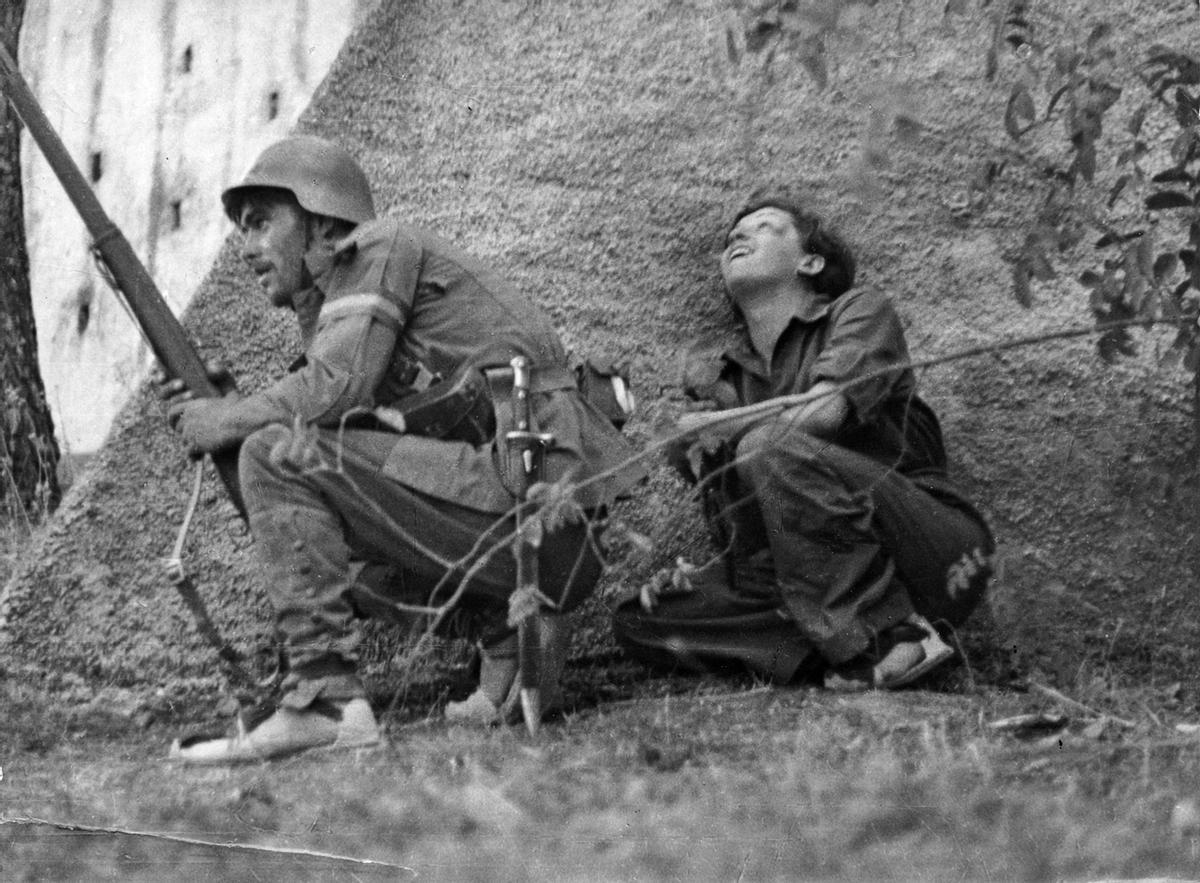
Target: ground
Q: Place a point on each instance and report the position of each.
(679, 780)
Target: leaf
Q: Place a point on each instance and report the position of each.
(1137, 119)
(1099, 33)
(1056, 97)
(1102, 96)
(1070, 234)
(1117, 189)
(522, 604)
(1035, 260)
(731, 47)
(1173, 175)
(908, 127)
(1113, 238)
(1020, 108)
(1191, 362)
(991, 63)
(1066, 60)
(1143, 255)
(1167, 199)
(1085, 159)
(1115, 342)
(1022, 290)
(1165, 266)
(768, 65)
(759, 33)
(812, 56)
(1185, 108)
(1183, 146)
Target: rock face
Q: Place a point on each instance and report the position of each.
(591, 151)
(160, 104)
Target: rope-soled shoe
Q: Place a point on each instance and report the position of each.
(497, 699)
(323, 724)
(907, 651)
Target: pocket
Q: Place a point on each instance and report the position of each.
(605, 385)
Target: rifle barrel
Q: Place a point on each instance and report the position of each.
(168, 340)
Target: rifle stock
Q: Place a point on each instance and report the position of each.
(168, 340)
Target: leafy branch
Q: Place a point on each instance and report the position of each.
(1146, 219)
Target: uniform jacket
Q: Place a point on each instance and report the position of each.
(396, 295)
(855, 341)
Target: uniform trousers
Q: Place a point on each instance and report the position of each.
(825, 548)
(338, 540)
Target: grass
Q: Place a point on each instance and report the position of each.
(648, 779)
(686, 780)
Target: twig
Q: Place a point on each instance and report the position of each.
(195, 841)
(686, 696)
(1068, 701)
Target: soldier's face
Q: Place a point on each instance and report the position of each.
(762, 248)
(274, 240)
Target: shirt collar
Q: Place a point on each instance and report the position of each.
(770, 320)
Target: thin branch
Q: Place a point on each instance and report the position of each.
(1051, 693)
(195, 841)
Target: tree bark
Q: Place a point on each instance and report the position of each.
(28, 451)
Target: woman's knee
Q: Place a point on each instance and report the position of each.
(775, 443)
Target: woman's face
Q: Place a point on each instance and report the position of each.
(762, 248)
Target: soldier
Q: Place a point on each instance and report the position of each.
(841, 535)
(350, 516)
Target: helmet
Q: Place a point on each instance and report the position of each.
(324, 178)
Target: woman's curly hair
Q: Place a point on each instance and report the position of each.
(837, 277)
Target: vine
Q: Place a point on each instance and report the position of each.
(1066, 77)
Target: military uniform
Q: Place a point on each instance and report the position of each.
(400, 306)
(826, 542)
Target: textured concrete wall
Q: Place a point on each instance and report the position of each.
(160, 102)
(591, 151)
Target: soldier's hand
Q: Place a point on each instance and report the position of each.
(206, 424)
(174, 391)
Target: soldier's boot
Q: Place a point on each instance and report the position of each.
(497, 699)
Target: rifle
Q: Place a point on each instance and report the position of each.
(168, 341)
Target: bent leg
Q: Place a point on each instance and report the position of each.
(721, 624)
(857, 547)
(310, 522)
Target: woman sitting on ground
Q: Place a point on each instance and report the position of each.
(843, 543)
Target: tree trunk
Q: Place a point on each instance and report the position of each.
(28, 451)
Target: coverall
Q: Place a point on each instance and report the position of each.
(824, 542)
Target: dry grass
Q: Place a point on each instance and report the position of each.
(711, 783)
(649, 779)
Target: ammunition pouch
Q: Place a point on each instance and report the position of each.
(473, 405)
(605, 385)
(457, 409)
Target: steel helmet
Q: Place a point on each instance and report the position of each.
(324, 178)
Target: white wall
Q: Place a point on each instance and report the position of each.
(174, 97)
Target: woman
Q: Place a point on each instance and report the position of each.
(843, 542)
